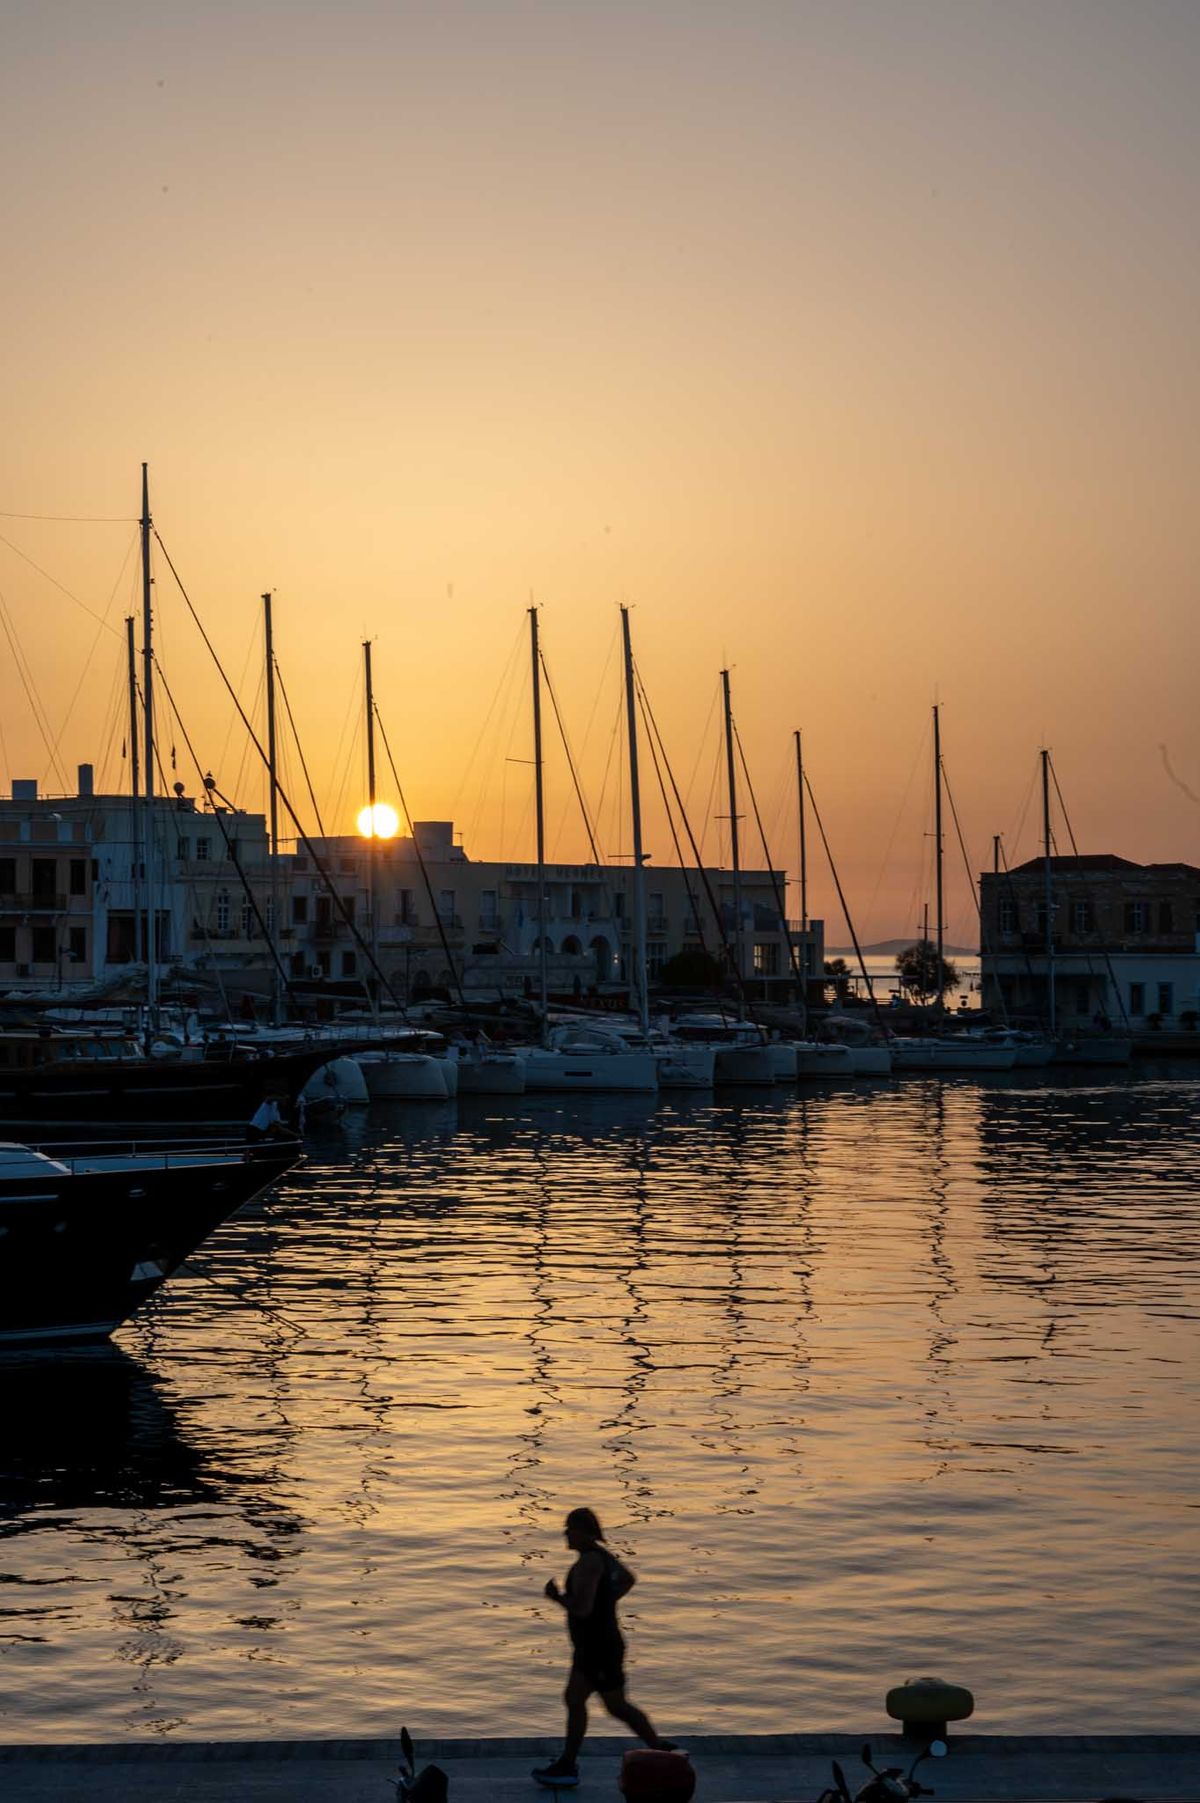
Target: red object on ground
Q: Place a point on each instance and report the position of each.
(648, 1776)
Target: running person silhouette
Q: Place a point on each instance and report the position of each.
(595, 1585)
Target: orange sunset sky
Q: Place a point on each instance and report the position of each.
(853, 344)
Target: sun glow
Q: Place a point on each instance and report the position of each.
(386, 821)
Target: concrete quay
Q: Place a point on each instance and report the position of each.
(731, 1768)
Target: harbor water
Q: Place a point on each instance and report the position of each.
(865, 1384)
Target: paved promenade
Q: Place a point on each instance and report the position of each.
(768, 1768)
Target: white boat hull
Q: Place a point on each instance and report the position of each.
(871, 1060)
(945, 1055)
(339, 1082)
(589, 1071)
(685, 1066)
(403, 1076)
(501, 1074)
(816, 1060)
(783, 1061)
(744, 1064)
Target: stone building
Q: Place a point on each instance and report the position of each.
(441, 916)
(72, 887)
(1125, 941)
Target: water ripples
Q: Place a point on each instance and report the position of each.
(866, 1384)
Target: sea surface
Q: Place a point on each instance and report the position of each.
(865, 1384)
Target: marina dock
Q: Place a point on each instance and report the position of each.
(756, 1768)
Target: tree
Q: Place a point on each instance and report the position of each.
(918, 969)
(839, 971)
(692, 969)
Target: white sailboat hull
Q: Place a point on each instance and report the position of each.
(744, 1064)
(339, 1081)
(947, 1055)
(685, 1066)
(816, 1060)
(404, 1076)
(589, 1071)
(494, 1074)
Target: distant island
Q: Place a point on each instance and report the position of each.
(887, 948)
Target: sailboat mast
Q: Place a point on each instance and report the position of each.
(733, 827)
(148, 722)
(539, 801)
(939, 851)
(273, 784)
(135, 790)
(803, 854)
(373, 838)
(1049, 895)
(639, 874)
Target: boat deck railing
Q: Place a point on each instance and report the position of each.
(164, 1154)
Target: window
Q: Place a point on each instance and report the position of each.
(656, 910)
(446, 900)
(619, 905)
(8, 945)
(406, 913)
(45, 877)
(1136, 913)
(203, 850)
(249, 924)
(488, 912)
(77, 876)
(181, 849)
(766, 959)
(1166, 998)
(223, 911)
(1166, 917)
(1008, 914)
(1041, 917)
(45, 945)
(1083, 917)
(655, 959)
(77, 945)
(348, 907)
(299, 910)
(349, 964)
(8, 880)
(1137, 998)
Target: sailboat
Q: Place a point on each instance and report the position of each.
(950, 1051)
(573, 1055)
(680, 1064)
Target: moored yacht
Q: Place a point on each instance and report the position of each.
(577, 1056)
(88, 1234)
(742, 1053)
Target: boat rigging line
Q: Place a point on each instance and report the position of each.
(424, 868)
(780, 900)
(1108, 965)
(652, 735)
(844, 905)
(287, 708)
(208, 783)
(302, 836)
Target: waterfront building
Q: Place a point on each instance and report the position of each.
(476, 921)
(1125, 941)
(73, 870)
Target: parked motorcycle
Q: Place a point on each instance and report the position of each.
(890, 1785)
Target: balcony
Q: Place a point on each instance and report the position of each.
(41, 903)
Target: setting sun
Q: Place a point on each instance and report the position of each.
(386, 821)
